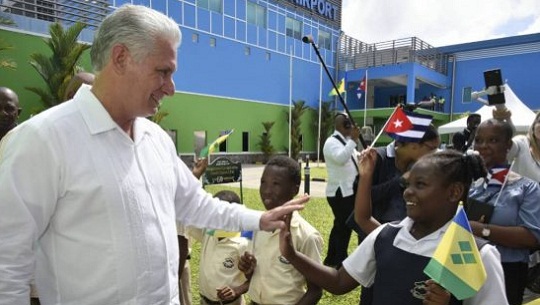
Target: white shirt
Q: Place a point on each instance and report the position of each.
(361, 264)
(339, 165)
(97, 210)
(524, 163)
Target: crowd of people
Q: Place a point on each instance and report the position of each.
(114, 229)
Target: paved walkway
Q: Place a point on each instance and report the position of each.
(251, 179)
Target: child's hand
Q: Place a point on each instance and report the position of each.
(247, 264)
(200, 167)
(366, 162)
(226, 293)
(285, 241)
(435, 294)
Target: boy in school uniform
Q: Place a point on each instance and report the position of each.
(274, 279)
(220, 280)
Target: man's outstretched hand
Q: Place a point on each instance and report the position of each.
(275, 218)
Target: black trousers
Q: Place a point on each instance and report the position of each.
(515, 278)
(340, 235)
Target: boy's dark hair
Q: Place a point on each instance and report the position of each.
(229, 196)
(458, 167)
(292, 166)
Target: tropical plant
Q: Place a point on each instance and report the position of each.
(6, 63)
(58, 68)
(298, 109)
(327, 121)
(265, 142)
(159, 116)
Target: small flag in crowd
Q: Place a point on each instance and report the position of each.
(341, 88)
(230, 234)
(405, 126)
(497, 175)
(205, 152)
(456, 264)
(247, 234)
(361, 88)
(222, 233)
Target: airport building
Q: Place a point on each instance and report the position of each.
(243, 63)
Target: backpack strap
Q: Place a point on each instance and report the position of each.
(345, 144)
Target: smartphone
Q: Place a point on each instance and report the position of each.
(494, 78)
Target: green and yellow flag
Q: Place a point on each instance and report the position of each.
(341, 88)
(456, 264)
(222, 233)
(205, 152)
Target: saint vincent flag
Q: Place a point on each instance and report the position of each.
(341, 88)
(222, 233)
(456, 264)
(205, 152)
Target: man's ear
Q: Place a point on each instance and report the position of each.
(455, 191)
(119, 58)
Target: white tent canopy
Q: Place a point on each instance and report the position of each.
(522, 116)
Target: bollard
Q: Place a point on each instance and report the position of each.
(306, 176)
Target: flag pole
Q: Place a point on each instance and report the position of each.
(384, 127)
(290, 96)
(309, 39)
(320, 115)
(365, 98)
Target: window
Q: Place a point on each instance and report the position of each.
(211, 5)
(293, 28)
(467, 91)
(325, 41)
(223, 145)
(247, 50)
(256, 14)
(195, 37)
(245, 141)
(268, 56)
(212, 42)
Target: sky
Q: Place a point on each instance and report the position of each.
(439, 22)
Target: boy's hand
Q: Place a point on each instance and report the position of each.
(285, 241)
(247, 264)
(273, 219)
(226, 293)
(435, 294)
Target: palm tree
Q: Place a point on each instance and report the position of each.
(327, 122)
(58, 69)
(265, 141)
(6, 63)
(299, 107)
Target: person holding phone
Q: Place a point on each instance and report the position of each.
(514, 227)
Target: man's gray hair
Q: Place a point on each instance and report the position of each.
(135, 26)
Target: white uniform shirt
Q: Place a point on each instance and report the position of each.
(361, 264)
(97, 210)
(339, 165)
(524, 164)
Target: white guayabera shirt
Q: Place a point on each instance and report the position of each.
(94, 211)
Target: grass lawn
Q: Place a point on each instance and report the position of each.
(315, 172)
(317, 212)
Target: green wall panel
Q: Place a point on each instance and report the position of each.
(189, 113)
(25, 75)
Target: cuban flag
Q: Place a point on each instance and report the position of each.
(361, 88)
(497, 175)
(405, 126)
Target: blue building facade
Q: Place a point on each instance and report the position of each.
(250, 53)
